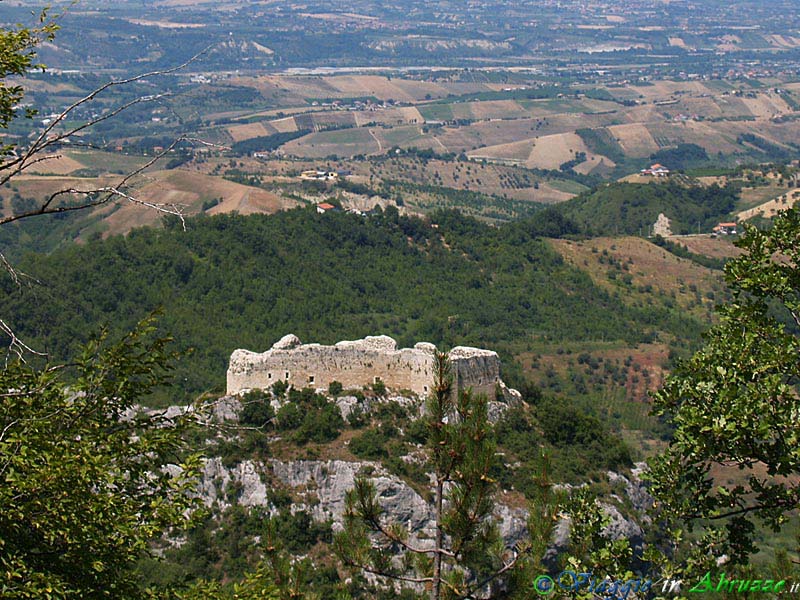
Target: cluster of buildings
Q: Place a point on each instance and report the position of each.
(724, 229)
(655, 170)
(326, 207)
(319, 175)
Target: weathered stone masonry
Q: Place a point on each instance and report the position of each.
(358, 363)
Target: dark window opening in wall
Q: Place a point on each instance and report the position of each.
(480, 380)
(376, 379)
(425, 388)
(310, 379)
(286, 375)
(496, 379)
(269, 375)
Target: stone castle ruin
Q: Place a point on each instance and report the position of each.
(357, 363)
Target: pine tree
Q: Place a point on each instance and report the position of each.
(466, 555)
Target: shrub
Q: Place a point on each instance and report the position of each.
(321, 425)
(370, 445)
(417, 432)
(279, 388)
(256, 409)
(289, 416)
(379, 387)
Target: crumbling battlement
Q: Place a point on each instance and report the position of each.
(361, 362)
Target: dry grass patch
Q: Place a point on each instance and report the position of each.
(496, 109)
(720, 247)
(752, 197)
(285, 125)
(370, 85)
(635, 139)
(647, 265)
(772, 207)
(191, 189)
(765, 107)
(57, 164)
(515, 152)
(551, 151)
(343, 143)
(247, 131)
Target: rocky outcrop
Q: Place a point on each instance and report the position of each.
(620, 526)
(321, 486)
(325, 483)
(241, 484)
(635, 489)
(662, 226)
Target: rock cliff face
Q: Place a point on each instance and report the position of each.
(322, 486)
(361, 362)
(319, 487)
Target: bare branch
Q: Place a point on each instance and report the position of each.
(796, 317)
(170, 208)
(205, 143)
(16, 345)
(378, 526)
(17, 164)
(499, 573)
(395, 576)
(44, 140)
(26, 161)
(790, 502)
(107, 194)
(11, 270)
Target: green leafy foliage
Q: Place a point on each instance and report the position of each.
(735, 456)
(266, 143)
(578, 445)
(601, 141)
(683, 252)
(370, 445)
(590, 549)
(17, 55)
(84, 484)
(311, 417)
(256, 409)
(772, 151)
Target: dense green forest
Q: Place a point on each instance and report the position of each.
(242, 282)
(625, 208)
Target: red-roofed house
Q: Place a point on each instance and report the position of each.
(725, 229)
(656, 170)
(325, 207)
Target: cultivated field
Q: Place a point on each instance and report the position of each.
(772, 207)
(345, 142)
(635, 139)
(190, 190)
(57, 164)
(536, 132)
(551, 151)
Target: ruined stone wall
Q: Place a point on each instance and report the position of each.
(358, 363)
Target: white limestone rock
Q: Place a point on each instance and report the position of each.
(216, 479)
(287, 342)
